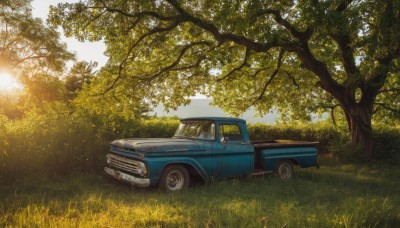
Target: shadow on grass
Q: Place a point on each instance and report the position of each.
(335, 195)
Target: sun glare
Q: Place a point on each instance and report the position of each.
(8, 82)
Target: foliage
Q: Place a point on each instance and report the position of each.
(158, 128)
(81, 73)
(54, 143)
(32, 52)
(9, 107)
(26, 44)
(41, 90)
(325, 133)
(386, 142)
(336, 195)
(60, 140)
(296, 56)
(121, 103)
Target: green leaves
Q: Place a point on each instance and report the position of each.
(330, 49)
(26, 42)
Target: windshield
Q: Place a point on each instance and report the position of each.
(199, 129)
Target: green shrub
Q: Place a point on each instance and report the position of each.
(53, 143)
(61, 141)
(386, 142)
(333, 139)
(325, 134)
(347, 152)
(158, 128)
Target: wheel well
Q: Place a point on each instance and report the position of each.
(294, 161)
(191, 170)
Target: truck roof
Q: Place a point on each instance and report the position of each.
(219, 119)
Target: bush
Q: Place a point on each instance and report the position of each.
(325, 134)
(53, 143)
(60, 141)
(387, 142)
(333, 139)
(158, 128)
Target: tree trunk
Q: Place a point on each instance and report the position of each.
(360, 127)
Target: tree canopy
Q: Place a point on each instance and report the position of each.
(298, 56)
(32, 52)
(25, 42)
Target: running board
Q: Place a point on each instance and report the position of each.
(260, 173)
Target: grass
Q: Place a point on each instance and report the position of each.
(336, 195)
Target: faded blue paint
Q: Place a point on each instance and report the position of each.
(302, 156)
(211, 159)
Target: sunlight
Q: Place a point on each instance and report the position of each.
(8, 82)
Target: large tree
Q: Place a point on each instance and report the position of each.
(298, 56)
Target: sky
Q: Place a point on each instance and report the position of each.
(85, 51)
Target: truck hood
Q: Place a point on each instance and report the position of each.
(160, 145)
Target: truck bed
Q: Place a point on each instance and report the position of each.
(267, 153)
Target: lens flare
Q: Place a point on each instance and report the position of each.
(8, 82)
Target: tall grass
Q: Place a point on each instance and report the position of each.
(337, 195)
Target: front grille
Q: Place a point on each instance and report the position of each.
(124, 164)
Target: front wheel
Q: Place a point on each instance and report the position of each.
(284, 169)
(174, 178)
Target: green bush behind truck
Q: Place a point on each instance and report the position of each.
(207, 147)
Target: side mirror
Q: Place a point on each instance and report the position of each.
(224, 139)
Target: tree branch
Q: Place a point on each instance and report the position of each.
(387, 107)
(220, 37)
(137, 15)
(333, 113)
(121, 65)
(343, 6)
(293, 79)
(246, 56)
(177, 61)
(93, 19)
(32, 56)
(376, 82)
(281, 53)
(199, 60)
(348, 60)
(286, 24)
(389, 90)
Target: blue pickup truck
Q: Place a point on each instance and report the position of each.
(206, 147)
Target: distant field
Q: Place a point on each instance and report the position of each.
(202, 107)
(336, 195)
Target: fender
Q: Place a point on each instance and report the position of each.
(156, 167)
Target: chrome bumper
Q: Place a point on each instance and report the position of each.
(127, 178)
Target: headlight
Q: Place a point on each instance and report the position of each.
(108, 159)
(142, 170)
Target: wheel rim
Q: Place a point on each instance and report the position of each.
(285, 171)
(175, 180)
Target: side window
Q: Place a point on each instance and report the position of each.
(231, 131)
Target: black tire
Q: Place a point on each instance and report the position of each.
(174, 178)
(284, 169)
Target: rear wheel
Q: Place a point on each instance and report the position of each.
(174, 178)
(284, 169)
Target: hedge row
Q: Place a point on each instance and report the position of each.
(61, 143)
